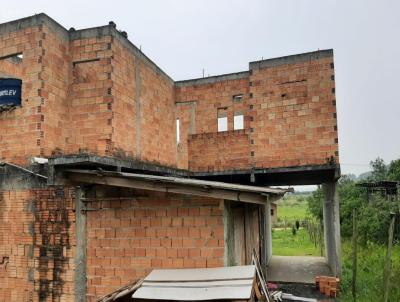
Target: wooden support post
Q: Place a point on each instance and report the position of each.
(354, 239)
(388, 261)
(321, 240)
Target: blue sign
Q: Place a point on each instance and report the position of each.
(10, 92)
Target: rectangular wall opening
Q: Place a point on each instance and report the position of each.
(238, 121)
(222, 120)
(237, 98)
(178, 131)
(15, 58)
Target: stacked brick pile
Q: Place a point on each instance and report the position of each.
(328, 286)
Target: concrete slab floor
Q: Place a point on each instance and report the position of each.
(297, 269)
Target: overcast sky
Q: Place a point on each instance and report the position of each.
(222, 36)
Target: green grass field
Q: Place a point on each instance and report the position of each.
(284, 243)
(292, 212)
(292, 208)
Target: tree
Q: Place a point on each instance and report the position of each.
(374, 217)
(350, 197)
(393, 172)
(379, 169)
(314, 202)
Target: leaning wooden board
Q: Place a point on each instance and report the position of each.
(225, 283)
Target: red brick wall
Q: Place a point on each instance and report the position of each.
(197, 107)
(219, 151)
(143, 108)
(54, 78)
(294, 114)
(129, 238)
(86, 94)
(19, 135)
(37, 243)
(290, 117)
(90, 111)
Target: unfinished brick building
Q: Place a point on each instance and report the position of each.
(145, 172)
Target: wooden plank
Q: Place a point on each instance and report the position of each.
(193, 294)
(238, 235)
(172, 188)
(252, 232)
(202, 274)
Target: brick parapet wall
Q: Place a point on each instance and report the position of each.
(293, 116)
(219, 151)
(197, 108)
(129, 238)
(290, 116)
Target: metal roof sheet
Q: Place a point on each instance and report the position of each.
(222, 283)
(187, 181)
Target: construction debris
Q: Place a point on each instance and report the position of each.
(296, 298)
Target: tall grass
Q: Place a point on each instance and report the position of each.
(371, 259)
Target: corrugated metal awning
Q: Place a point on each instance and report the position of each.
(213, 189)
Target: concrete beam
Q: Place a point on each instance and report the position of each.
(213, 79)
(293, 59)
(138, 112)
(332, 227)
(112, 163)
(296, 175)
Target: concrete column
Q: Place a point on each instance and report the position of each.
(81, 243)
(332, 227)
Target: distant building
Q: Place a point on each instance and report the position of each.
(385, 188)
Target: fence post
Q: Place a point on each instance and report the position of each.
(388, 261)
(354, 239)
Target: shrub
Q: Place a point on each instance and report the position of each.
(294, 231)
